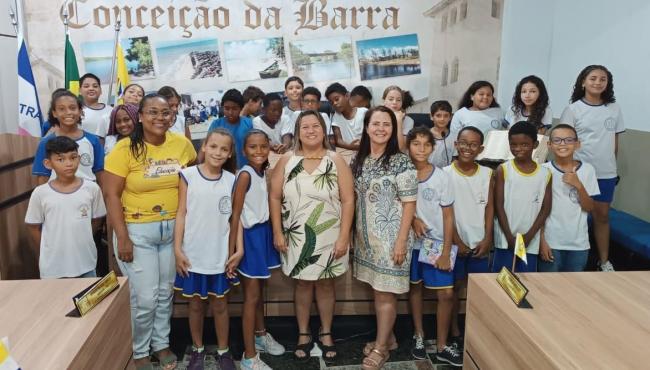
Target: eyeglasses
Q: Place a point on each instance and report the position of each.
(155, 113)
(564, 140)
(309, 101)
(466, 145)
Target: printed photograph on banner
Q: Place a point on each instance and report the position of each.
(188, 59)
(388, 57)
(200, 107)
(98, 56)
(255, 59)
(322, 59)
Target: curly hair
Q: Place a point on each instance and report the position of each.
(466, 100)
(579, 91)
(539, 107)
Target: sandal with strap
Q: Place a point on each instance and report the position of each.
(305, 348)
(371, 345)
(375, 360)
(327, 349)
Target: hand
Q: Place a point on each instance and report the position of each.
(419, 228)
(482, 248)
(463, 250)
(571, 178)
(355, 142)
(232, 263)
(125, 249)
(400, 115)
(545, 252)
(182, 264)
(341, 247)
(280, 242)
(280, 148)
(443, 263)
(399, 252)
(511, 241)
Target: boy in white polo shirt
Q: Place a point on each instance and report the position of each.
(63, 213)
(347, 122)
(564, 246)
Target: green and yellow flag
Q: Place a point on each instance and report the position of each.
(71, 69)
(520, 248)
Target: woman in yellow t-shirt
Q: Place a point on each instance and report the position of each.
(141, 193)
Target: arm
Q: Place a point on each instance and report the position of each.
(586, 202)
(444, 262)
(182, 263)
(99, 177)
(483, 247)
(399, 251)
(544, 249)
(346, 194)
(188, 133)
(275, 203)
(616, 145)
(338, 139)
(239, 194)
(113, 187)
(499, 208)
(401, 142)
(542, 215)
(34, 231)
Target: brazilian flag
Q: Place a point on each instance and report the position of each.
(71, 69)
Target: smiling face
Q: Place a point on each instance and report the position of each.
(380, 127)
(482, 98)
(293, 91)
(231, 111)
(66, 111)
(522, 146)
(90, 90)
(310, 102)
(420, 148)
(310, 132)
(393, 100)
(217, 149)
(563, 143)
(595, 82)
(133, 95)
(124, 125)
(529, 94)
(256, 150)
(155, 117)
(468, 146)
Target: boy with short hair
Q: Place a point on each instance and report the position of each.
(253, 96)
(96, 116)
(63, 213)
(564, 246)
(232, 103)
(347, 122)
(522, 200)
(275, 124)
(360, 96)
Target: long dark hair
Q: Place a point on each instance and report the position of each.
(230, 164)
(392, 147)
(137, 145)
(607, 96)
(539, 107)
(56, 95)
(466, 100)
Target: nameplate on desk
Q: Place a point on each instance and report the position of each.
(90, 297)
(513, 287)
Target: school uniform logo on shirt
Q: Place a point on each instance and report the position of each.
(156, 168)
(429, 194)
(83, 211)
(610, 124)
(495, 123)
(85, 159)
(573, 195)
(225, 205)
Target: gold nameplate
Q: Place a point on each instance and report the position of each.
(513, 287)
(90, 297)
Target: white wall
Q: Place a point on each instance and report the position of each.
(8, 72)
(556, 39)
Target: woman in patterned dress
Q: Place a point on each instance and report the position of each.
(386, 186)
(312, 206)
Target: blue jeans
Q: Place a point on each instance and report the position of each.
(564, 261)
(89, 274)
(151, 278)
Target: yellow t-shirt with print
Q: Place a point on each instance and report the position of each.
(151, 185)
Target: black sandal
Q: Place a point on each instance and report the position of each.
(327, 349)
(305, 348)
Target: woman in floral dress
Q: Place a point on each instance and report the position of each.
(386, 186)
(312, 206)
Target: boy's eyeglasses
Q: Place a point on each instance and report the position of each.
(465, 145)
(564, 140)
(155, 113)
(309, 101)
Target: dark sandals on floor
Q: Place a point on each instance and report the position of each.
(327, 349)
(305, 348)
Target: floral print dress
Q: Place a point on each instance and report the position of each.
(380, 192)
(311, 220)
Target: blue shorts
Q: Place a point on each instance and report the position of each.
(202, 285)
(565, 261)
(503, 258)
(607, 187)
(431, 277)
(470, 265)
(259, 254)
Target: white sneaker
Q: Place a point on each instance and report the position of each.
(269, 345)
(606, 266)
(254, 363)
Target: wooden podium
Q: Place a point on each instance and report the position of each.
(585, 320)
(33, 317)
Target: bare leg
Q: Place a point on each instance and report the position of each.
(458, 288)
(600, 216)
(260, 328)
(386, 311)
(196, 317)
(325, 301)
(443, 316)
(221, 320)
(303, 297)
(251, 303)
(415, 300)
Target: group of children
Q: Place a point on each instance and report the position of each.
(463, 207)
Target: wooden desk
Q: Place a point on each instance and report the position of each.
(587, 320)
(32, 315)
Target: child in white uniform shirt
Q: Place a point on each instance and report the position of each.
(347, 122)
(478, 108)
(530, 103)
(96, 115)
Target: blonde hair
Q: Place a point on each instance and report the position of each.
(297, 145)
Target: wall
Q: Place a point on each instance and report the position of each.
(563, 37)
(8, 68)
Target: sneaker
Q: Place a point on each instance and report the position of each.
(451, 356)
(269, 345)
(226, 361)
(197, 360)
(458, 343)
(418, 351)
(606, 266)
(254, 363)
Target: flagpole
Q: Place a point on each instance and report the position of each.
(14, 19)
(118, 21)
(514, 258)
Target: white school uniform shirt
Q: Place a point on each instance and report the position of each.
(485, 120)
(275, 134)
(443, 151)
(407, 125)
(597, 126)
(96, 121)
(109, 143)
(351, 129)
(471, 197)
(207, 225)
(67, 247)
(434, 194)
(179, 125)
(566, 226)
(512, 117)
(523, 195)
(256, 201)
